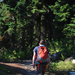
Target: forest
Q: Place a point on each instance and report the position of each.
(23, 23)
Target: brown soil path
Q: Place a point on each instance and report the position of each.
(25, 67)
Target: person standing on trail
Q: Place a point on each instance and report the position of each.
(41, 58)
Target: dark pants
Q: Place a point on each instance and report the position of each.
(41, 68)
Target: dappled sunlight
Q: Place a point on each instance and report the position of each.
(25, 67)
(12, 65)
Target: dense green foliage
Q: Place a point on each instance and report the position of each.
(64, 25)
(23, 23)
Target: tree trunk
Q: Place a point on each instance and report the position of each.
(23, 39)
(12, 38)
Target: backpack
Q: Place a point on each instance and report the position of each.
(42, 55)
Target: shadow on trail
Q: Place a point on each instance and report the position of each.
(20, 68)
(11, 70)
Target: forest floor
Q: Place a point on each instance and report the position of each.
(22, 67)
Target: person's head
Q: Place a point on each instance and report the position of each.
(42, 42)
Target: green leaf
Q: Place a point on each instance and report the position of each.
(41, 11)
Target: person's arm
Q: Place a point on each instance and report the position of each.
(33, 60)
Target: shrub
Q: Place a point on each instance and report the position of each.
(9, 55)
(62, 66)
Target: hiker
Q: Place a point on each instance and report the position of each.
(41, 65)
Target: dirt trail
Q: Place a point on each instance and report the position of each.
(25, 67)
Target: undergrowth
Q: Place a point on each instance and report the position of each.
(61, 67)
